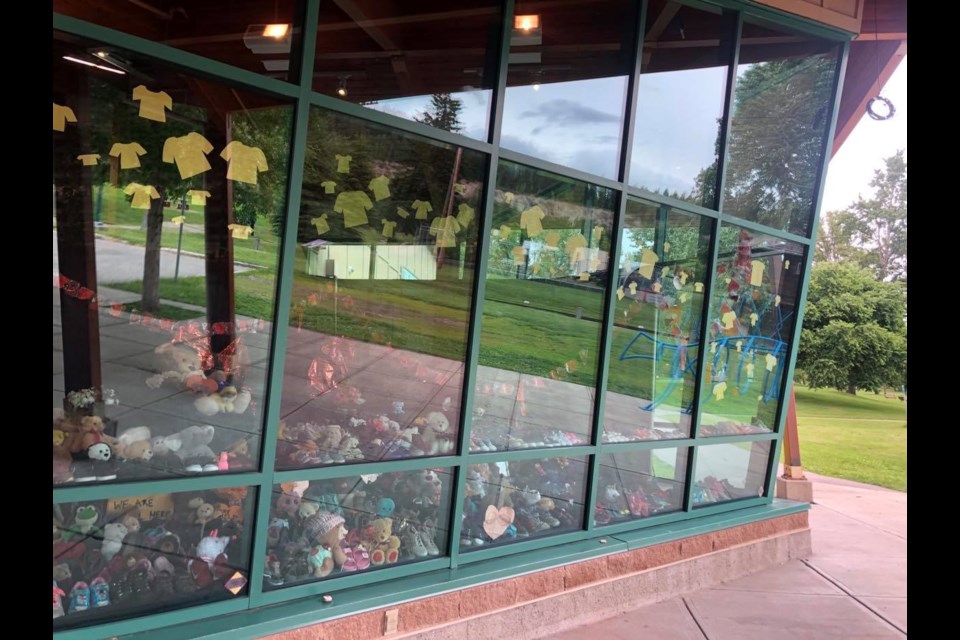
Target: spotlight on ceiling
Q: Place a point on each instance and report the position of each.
(342, 86)
(267, 38)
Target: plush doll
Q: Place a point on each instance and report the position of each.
(307, 509)
(328, 439)
(226, 400)
(90, 431)
(113, 535)
(238, 455)
(205, 513)
(325, 529)
(288, 503)
(163, 445)
(97, 463)
(435, 435)
(385, 545)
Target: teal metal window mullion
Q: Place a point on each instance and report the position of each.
(699, 383)
(480, 285)
(807, 270)
(278, 350)
(736, 31)
(613, 272)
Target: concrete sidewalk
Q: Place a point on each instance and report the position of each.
(854, 585)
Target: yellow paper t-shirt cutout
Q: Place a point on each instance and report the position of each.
(243, 162)
(353, 205)
(128, 154)
(343, 163)
(329, 186)
(403, 213)
(380, 187)
(584, 276)
(240, 231)
(756, 272)
(753, 319)
(504, 231)
(152, 103)
(530, 220)
(508, 197)
(698, 287)
(198, 197)
(771, 361)
(719, 389)
(61, 116)
(321, 224)
(517, 256)
(465, 214)
(189, 154)
(551, 239)
(620, 293)
(178, 219)
(142, 195)
(633, 288)
(88, 159)
(728, 319)
(648, 260)
(422, 208)
(388, 226)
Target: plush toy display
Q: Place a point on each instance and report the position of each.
(135, 559)
(435, 435)
(386, 546)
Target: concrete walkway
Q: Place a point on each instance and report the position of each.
(854, 585)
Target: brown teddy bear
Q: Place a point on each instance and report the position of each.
(386, 546)
(325, 531)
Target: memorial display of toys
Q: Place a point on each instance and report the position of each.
(326, 528)
(129, 555)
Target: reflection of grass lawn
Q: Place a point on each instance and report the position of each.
(862, 437)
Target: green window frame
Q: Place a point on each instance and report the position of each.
(459, 569)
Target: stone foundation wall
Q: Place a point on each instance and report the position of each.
(546, 602)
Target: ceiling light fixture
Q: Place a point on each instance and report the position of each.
(92, 64)
(267, 38)
(342, 86)
(526, 23)
(275, 31)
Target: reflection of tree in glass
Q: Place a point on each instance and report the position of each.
(780, 117)
(444, 113)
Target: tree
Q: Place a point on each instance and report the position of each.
(881, 221)
(444, 113)
(835, 240)
(854, 332)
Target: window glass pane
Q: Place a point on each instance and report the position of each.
(781, 114)
(639, 484)
(429, 61)
(567, 82)
(381, 295)
(655, 353)
(123, 557)
(546, 275)
(326, 528)
(251, 34)
(168, 191)
(752, 314)
(513, 501)
(728, 472)
(686, 57)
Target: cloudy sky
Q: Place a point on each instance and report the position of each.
(578, 124)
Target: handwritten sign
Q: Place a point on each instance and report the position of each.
(143, 507)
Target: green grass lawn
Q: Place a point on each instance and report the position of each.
(861, 438)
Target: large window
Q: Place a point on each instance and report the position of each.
(303, 346)
(168, 193)
(387, 241)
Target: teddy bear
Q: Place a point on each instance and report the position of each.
(307, 509)
(90, 431)
(113, 534)
(435, 435)
(177, 363)
(385, 545)
(350, 448)
(134, 444)
(326, 530)
(131, 522)
(204, 514)
(288, 502)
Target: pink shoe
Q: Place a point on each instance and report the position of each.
(362, 558)
(350, 564)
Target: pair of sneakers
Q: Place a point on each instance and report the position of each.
(201, 468)
(481, 444)
(79, 597)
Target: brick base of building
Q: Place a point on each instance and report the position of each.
(539, 604)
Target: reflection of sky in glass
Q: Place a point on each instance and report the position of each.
(576, 124)
(473, 116)
(676, 128)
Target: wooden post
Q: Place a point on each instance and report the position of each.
(792, 468)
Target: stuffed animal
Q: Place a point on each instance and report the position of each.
(211, 547)
(325, 529)
(435, 435)
(131, 522)
(307, 509)
(232, 506)
(226, 400)
(328, 440)
(195, 443)
(162, 445)
(385, 545)
(288, 503)
(177, 363)
(205, 513)
(86, 519)
(134, 444)
(113, 534)
(320, 559)
(350, 448)
(90, 431)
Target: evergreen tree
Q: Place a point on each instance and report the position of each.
(444, 113)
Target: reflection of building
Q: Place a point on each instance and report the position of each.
(379, 412)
